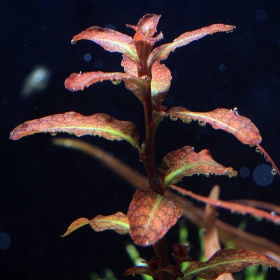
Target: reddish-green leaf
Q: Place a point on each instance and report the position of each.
(110, 40)
(163, 51)
(78, 81)
(117, 222)
(75, 225)
(229, 120)
(143, 38)
(186, 162)
(161, 78)
(151, 215)
(71, 122)
(227, 260)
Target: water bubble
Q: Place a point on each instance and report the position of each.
(202, 123)
(116, 82)
(258, 150)
(173, 118)
(87, 57)
(187, 120)
(262, 175)
(272, 213)
(273, 171)
(261, 15)
(207, 174)
(235, 110)
(5, 241)
(53, 133)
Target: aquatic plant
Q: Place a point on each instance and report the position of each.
(154, 209)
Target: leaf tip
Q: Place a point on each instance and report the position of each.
(75, 225)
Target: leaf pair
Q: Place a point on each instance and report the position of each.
(149, 217)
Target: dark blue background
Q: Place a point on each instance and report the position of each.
(44, 188)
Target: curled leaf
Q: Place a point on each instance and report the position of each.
(229, 120)
(78, 81)
(162, 52)
(227, 260)
(71, 122)
(110, 40)
(186, 162)
(75, 225)
(117, 222)
(151, 215)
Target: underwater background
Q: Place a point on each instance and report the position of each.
(43, 188)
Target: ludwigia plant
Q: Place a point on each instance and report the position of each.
(153, 208)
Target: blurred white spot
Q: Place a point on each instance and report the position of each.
(261, 15)
(222, 67)
(262, 175)
(87, 57)
(244, 172)
(5, 241)
(36, 81)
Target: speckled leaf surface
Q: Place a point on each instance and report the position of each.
(186, 162)
(227, 260)
(74, 123)
(151, 215)
(229, 120)
(162, 52)
(110, 40)
(117, 222)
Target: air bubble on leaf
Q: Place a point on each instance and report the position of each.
(202, 123)
(207, 174)
(235, 110)
(174, 118)
(258, 150)
(187, 120)
(116, 82)
(273, 171)
(53, 133)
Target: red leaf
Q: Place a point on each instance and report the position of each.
(72, 122)
(151, 215)
(79, 81)
(186, 162)
(229, 120)
(162, 52)
(75, 225)
(143, 39)
(227, 260)
(117, 222)
(161, 78)
(110, 40)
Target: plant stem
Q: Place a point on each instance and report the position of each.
(161, 251)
